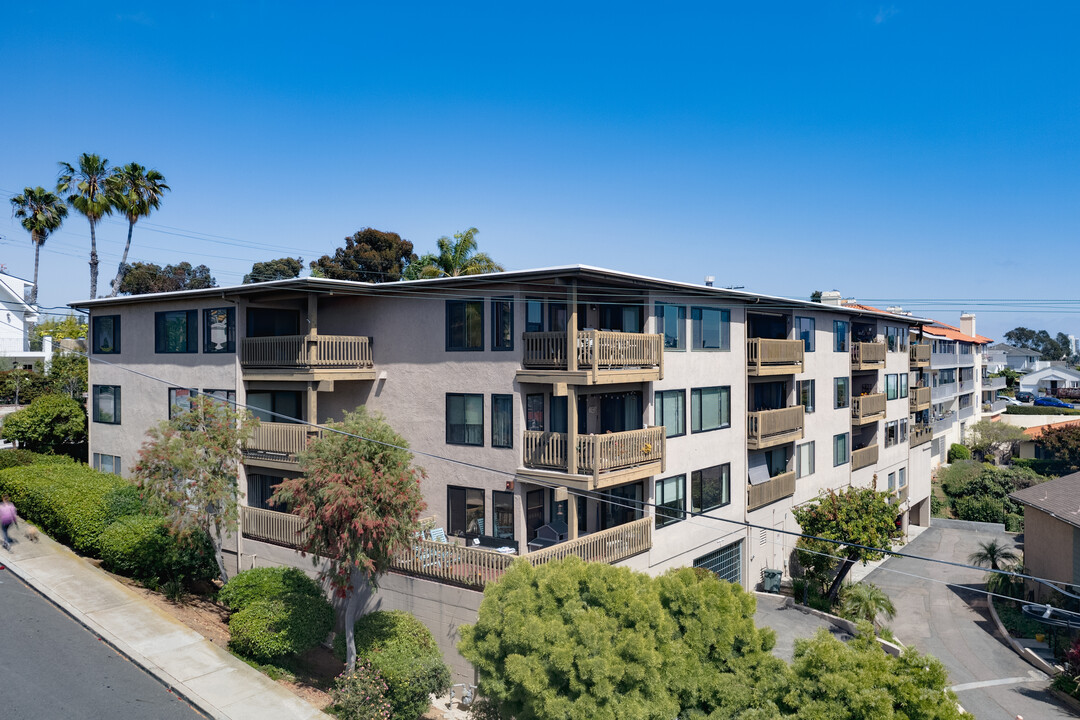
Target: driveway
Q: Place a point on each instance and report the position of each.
(789, 623)
(953, 624)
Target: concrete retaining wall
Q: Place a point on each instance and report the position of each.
(967, 525)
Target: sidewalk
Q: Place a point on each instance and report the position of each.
(208, 677)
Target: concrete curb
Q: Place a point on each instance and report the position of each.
(1066, 698)
(894, 649)
(1033, 659)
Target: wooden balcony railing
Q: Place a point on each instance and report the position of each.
(864, 457)
(920, 433)
(596, 350)
(606, 546)
(865, 408)
(270, 526)
(284, 441)
(902, 495)
(779, 487)
(867, 355)
(301, 351)
(919, 398)
(595, 453)
(765, 356)
(919, 354)
(773, 427)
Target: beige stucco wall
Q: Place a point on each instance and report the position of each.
(1048, 548)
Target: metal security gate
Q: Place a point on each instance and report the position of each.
(725, 562)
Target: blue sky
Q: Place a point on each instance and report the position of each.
(905, 153)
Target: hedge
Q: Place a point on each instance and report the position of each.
(979, 508)
(1040, 410)
(266, 584)
(143, 547)
(266, 630)
(1046, 468)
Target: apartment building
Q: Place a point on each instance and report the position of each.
(620, 417)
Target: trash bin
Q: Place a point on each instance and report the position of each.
(770, 580)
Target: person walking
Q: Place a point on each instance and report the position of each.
(8, 517)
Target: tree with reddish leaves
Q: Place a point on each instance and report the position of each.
(360, 499)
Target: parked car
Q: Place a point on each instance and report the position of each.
(1024, 396)
(1009, 400)
(1047, 401)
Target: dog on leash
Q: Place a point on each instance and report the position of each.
(31, 533)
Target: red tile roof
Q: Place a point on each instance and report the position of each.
(1034, 433)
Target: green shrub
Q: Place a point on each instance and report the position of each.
(958, 452)
(124, 501)
(959, 477)
(266, 630)
(378, 630)
(1046, 468)
(13, 458)
(49, 423)
(360, 695)
(1014, 523)
(937, 506)
(266, 584)
(979, 508)
(1039, 410)
(143, 547)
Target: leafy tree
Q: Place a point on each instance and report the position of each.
(854, 517)
(86, 191)
(41, 213)
(280, 269)
(958, 452)
(1051, 348)
(993, 554)
(994, 439)
(140, 278)
(1021, 337)
(71, 327)
(815, 296)
(359, 498)
(187, 468)
(135, 192)
(67, 375)
(865, 601)
(1011, 376)
(48, 424)
(1063, 444)
(455, 257)
(21, 386)
(369, 255)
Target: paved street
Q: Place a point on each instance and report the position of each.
(52, 667)
(789, 623)
(954, 625)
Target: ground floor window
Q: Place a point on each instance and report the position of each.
(502, 507)
(465, 511)
(107, 463)
(725, 562)
(670, 500)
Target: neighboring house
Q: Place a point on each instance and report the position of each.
(16, 317)
(1030, 448)
(1051, 533)
(1048, 380)
(1002, 355)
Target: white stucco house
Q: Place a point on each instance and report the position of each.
(16, 316)
(1045, 381)
(1003, 355)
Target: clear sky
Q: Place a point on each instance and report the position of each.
(898, 153)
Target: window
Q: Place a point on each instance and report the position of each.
(895, 339)
(903, 384)
(464, 419)
(843, 397)
(901, 478)
(464, 511)
(945, 377)
(107, 404)
(903, 430)
(464, 325)
(842, 336)
(671, 411)
(502, 514)
(534, 412)
(106, 335)
(804, 330)
(180, 400)
(804, 459)
(710, 408)
(891, 433)
(559, 416)
(228, 397)
(710, 488)
(107, 463)
(502, 324)
(891, 387)
(840, 448)
(502, 421)
(176, 331)
(259, 490)
(725, 562)
(219, 330)
(671, 323)
(805, 391)
(625, 505)
(534, 316)
(711, 328)
(279, 406)
(892, 481)
(670, 500)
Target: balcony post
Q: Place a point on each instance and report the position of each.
(571, 516)
(571, 430)
(313, 328)
(571, 330)
(312, 403)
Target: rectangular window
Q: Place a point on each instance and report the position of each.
(557, 316)
(464, 325)
(176, 331)
(805, 391)
(901, 478)
(557, 421)
(903, 430)
(711, 328)
(671, 323)
(842, 394)
(804, 459)
(228, 397)
(107, 404)
(276, 405)
(106, 335)
(502, 324)
(891, 387)
(891, 433)
(502, 514)
(534, 316)
(671, 411)
(534, 412)
(464, 419)
(219, 330)
(892, 481)
(180, 400)
(260, 488)
(107, 463)
(840, 448)
(804, 330)
(670, 500)
(464, 511)
(710, 408)
(903, 384)
(842, 336)
(710, 488)
(502, 421)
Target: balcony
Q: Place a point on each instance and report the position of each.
(600, 358)
(965, 386)
(965, 359)
(995, 407)
(919, 398)
(966, 412)
(864, 457)
(778, 488)
(943, 424)
(278, 445)
(270, 526)
(919, 355)
(867, 355)
(307, 358)
(765, 356)
(944, 392)
(867, 408)
(920, 434)
(993, 383)
(767, 428)
(900, 496)
(602, 460)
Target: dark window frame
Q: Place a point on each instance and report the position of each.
(192, 392)
(503, 306)
(463, 304)
(670, 515)
(230, 330)
(115, 334)
(451, 521)
(841, 342)
(812, 404)
(697, 334)
(496, 529)
(696, 490)
(837, 462)
(191, 332)
(465, 425)
(661, 325)
(496, 397)
(847, 393)
(725, 401)
(809, 342)
(658, 412)
(96, 392)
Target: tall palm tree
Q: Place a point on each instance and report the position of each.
(457, 257)
(136, 192)
(86, 190)
(992, 554)
(42, 212)
(865, 601)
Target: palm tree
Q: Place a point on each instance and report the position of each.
(42, 212)
(865, 601)
(86, 190)
(1001, 584)
(136, 192)
(457, 257)
(992, 554)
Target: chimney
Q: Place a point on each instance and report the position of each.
(967, 323)
(709, 280)
(830, 297)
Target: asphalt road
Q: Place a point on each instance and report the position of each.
(953, 624)
(52, 667)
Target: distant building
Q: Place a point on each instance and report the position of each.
(16, 318)
(1051, 533)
